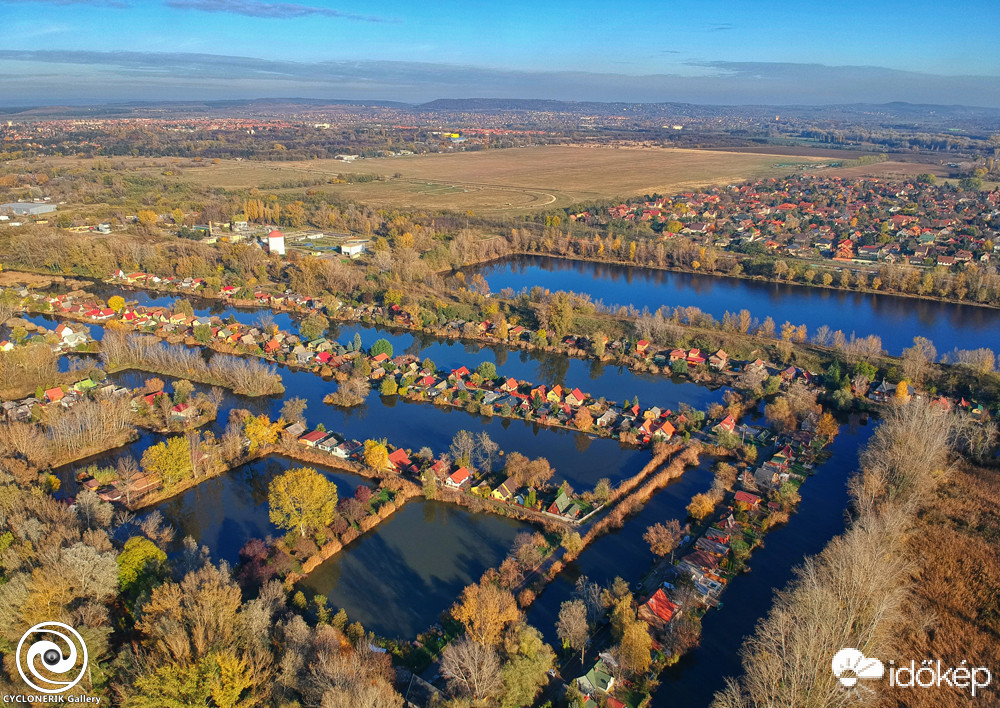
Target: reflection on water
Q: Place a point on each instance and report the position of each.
(896, 319)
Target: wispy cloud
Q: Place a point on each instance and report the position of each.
(720, 27)
(269, 10)
(89, 76)
(94, 3)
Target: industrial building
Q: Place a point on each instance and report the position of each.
(27, 208)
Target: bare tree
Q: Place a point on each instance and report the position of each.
(471, 669)
(572, 627)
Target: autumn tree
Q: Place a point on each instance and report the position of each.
(701, 506)
(116, 303)
(260, 432)
(583, 419)
(827, 427)
(169, 460)
(485, 610)
(663, 537)
(376, 455)
(572, 627)
(293, 410)
(302, 499)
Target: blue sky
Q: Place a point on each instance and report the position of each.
(707, 52)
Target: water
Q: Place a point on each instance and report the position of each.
(897, 320)
(699, 674)
(399, 578)
(622, 552)
(225, 512)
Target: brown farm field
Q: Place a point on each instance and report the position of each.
(512, 180)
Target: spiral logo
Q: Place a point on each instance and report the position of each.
(51, 649)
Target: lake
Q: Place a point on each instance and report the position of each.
(897, 320)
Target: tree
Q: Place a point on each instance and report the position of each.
(572, 627)
(463, 445)
(389, 386)
(487, 451)
(788, 496)
(472, 669)
(487, 370)
(293, 410)
(583, 419)
(524, 674)
(918, 359)
(169, 460)
(902, 392)
(182, 391)
(302, 499)
(313, 326)
(663, 538)
(260, 432)
(147, 217)
(139, 562)
(634, 649)
(376, 455)
(116, 303)
(572, 542)
(382, 346)
(828, 427)
(701, 506)
(485, 610)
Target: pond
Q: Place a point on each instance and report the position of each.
(897, 320)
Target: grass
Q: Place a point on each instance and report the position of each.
(517, 180)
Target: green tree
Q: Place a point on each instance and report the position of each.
(139, 562)
(561, 313)
(313, 326)
(302, 499)
(487, 370)
(389, 386)
(382, 346)
(524, 674)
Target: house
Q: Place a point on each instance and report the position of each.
(505, 492)
(564, 506)
(607, 419)
(576, 397)
(312, 437)
(641, 346)
(54, 395)
(658, 610)
(400, 460)
(751, 500)
(458, 478)
(293, 431)
(719, 360)
(599, 678)
(182, 411)
(329, 443)
(727, 424)
(276, 242)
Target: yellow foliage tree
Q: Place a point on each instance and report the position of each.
(485, 611)
(701, 506)
(147, 217)
(260, 432)
(302, 499)
(902, 392)
(376, 455)
(116, 303)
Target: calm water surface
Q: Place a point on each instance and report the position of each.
(897, 320)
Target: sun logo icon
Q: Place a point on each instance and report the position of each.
(849, 665)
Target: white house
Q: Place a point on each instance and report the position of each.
(276, 242)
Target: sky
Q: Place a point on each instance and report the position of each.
(712, 51)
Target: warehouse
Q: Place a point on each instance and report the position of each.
(27, 208)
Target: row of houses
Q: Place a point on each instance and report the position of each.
(63, 397)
